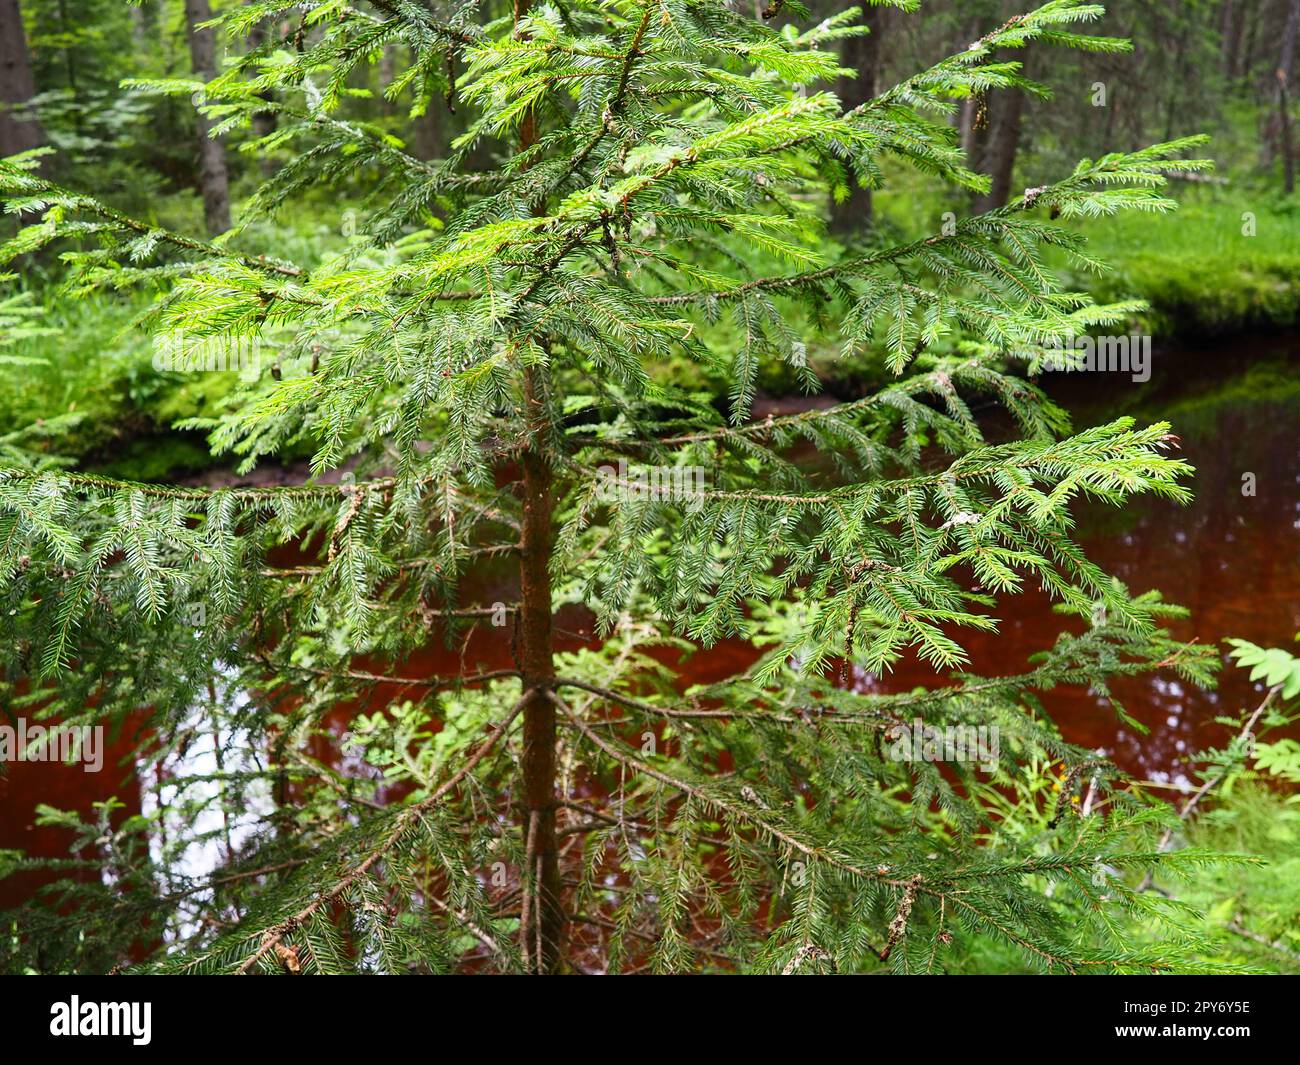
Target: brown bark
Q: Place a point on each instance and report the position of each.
(387, 72)
(1288, 148)
(214, 182)
(966, 128)
(1257, 19)
(431, 133)
(1003, 145)
(543, 922)
(1284, 72)
(1281, 125)
(17, 85)
(998, 144)
(1231, 42)
(427, 140)
(970, 105)
(863, 55)
(542, 926)
(1286, 61)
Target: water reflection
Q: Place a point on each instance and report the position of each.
(1232, 557)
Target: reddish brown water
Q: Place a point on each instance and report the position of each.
(1233, 559)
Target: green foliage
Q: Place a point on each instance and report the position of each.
(1248, 805)
(1275, 667)
(507, 315)
(1254, 908)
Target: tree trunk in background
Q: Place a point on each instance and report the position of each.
(999, 155)
(1284, 68)
(1288, 149)
(972, 108)
(213, 179)
(1286, 61)
(387, 71)
(966, 127)
(1181, 73)
(432, 134)
(145, 22)
(17, 85)
(264, 122)
(1230, 26)
(1247, 67)
(863, 55)
(428, 140)
(977, 132)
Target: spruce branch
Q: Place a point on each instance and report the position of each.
(402, 824)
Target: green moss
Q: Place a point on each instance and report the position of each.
(1200, 268)
(1197, 267)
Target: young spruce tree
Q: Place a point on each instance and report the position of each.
(487, 361)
